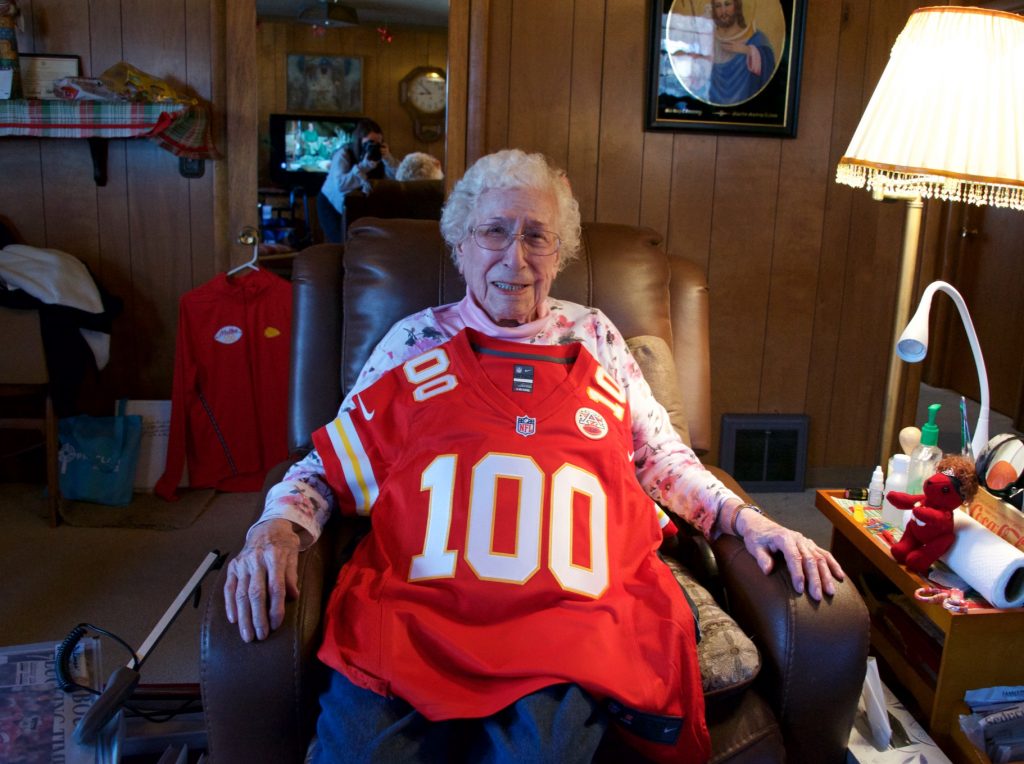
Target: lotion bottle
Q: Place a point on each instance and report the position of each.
(926, 456)
(896, 480)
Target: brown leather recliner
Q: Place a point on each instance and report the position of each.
(261, 699)
(420, 199)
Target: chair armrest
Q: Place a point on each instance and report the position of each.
(277, 681)
(814, 654)
(273, 681)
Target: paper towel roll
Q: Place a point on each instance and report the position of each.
(992, 566)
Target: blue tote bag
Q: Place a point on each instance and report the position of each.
(98, 457)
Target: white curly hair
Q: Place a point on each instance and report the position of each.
(511, 168)
(419, 166)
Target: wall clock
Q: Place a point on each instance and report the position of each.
(423, 93)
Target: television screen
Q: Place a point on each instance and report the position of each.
(301, 147)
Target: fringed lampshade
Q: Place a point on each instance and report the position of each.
(947, 117)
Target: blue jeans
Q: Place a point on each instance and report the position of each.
(560, 724)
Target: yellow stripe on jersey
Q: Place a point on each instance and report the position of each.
(354, 463)
(663, 518)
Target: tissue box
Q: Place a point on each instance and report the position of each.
(999, 517)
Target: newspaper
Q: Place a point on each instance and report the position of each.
(38, 719)
(996, 722)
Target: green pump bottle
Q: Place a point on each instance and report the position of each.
(925, 457)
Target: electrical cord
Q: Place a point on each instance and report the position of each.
(67, 648)
(64, 681)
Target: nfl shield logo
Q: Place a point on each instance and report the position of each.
(526, 425)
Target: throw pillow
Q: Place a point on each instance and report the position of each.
(729, 660)
(654, 357)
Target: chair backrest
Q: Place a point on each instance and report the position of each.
(417, 199)
(391, 268)
(22, 361)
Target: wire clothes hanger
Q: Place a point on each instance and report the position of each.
(251, 236)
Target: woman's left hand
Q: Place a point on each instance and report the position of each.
(810, 567)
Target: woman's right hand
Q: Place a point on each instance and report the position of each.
(261, 578)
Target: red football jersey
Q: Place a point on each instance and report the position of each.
(512, 547)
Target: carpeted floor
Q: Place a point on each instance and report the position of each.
(796, 510)
(145, 511)
(119, 578)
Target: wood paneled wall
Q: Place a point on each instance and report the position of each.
(148, 234)
(384, 67)
(802, 271)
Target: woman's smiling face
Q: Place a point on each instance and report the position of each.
(509, 284)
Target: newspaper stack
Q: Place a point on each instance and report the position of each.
(37, 719)
(996, 722)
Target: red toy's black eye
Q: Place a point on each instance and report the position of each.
(945, 489)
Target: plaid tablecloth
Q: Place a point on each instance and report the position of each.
(182, 129)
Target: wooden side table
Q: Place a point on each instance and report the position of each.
(980, 648)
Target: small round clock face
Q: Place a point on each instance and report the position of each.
(427, 93)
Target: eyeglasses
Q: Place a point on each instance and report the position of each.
(1000, 468)
(496, 237)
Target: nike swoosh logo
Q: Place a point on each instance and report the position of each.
(629, 455)
(367, 415)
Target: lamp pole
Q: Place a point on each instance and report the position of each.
(894, 381)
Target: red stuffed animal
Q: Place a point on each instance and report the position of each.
(929, 531)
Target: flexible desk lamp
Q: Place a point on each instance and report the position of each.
(944, 122)
(912, 346)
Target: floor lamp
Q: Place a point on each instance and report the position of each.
(945, 122)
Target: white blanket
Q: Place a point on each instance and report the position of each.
(56, 278)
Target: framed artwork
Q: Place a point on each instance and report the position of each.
(38, 73)
(725, 66)
(325, 83)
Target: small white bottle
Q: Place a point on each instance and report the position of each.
(899, 465)
(926, 456)
(875, 488)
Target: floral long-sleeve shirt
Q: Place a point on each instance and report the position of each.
(666, 467)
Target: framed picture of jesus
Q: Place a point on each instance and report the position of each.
(725, 66)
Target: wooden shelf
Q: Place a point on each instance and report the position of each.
(180, 128)
(977, 648)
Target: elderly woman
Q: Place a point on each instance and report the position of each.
(419, 166)
(539, 623)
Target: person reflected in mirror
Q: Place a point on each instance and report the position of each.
(366, 157)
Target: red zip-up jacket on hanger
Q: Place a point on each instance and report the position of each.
(230, 393)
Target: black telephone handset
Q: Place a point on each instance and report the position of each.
(118, 689)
